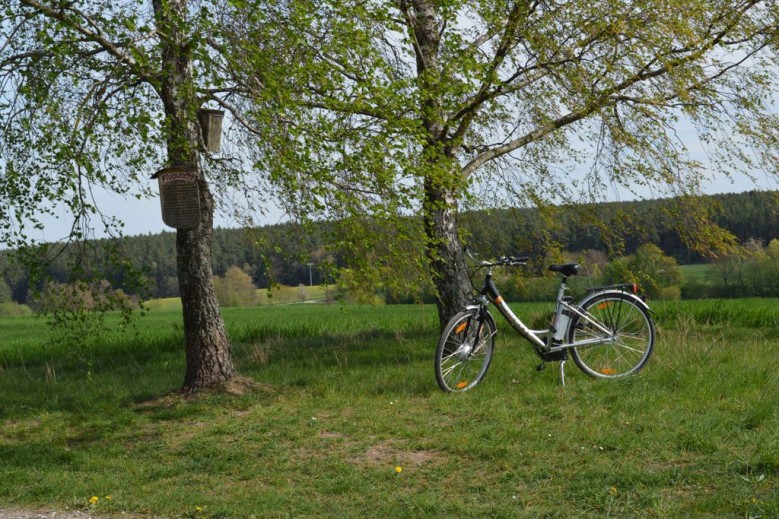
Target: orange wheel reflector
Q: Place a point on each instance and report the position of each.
(460, 328)
(608, 371)
(462, 384)
(603, 306)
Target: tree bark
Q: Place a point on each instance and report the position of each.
(441, 178)
(445, 252)
(208, 355)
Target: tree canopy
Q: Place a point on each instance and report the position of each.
(101, 94)
(420, 106)
(81, 101)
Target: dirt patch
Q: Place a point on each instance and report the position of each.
(16, 513)
(240, 386)
(236, 386)
(30, 514)
(386, 453)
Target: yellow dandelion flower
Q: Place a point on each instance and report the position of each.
(398, 469)
(613, 490)
(198, 508)
(93, 500)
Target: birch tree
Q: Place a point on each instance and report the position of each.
(427, 106)
(101, 94)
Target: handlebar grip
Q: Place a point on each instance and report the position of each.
(519, 259)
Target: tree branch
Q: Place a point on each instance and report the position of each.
(609, 95)
(236, 113)
(93, 35)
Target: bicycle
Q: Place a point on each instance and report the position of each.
(609, 333)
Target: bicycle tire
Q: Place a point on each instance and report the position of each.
(464, 351)
(630, 344)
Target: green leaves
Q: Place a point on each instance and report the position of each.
(543, 102)
(344, 107)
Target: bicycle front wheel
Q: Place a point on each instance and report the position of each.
(464, 351)
(621, 332)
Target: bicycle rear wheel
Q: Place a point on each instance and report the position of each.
(627, 346)
(464, 351)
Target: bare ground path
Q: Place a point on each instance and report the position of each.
(15, 513)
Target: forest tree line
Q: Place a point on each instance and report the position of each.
(281, 253)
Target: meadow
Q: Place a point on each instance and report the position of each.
(348, 421)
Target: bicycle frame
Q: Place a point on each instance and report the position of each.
(553, 339)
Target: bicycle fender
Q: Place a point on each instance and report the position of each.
(614, 292)
(491, 319)
(487, 315)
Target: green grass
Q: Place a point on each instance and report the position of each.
(353, 397)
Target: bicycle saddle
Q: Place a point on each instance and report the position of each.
(566, 269)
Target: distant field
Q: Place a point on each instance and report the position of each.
(278, 295)
(695, 272)
(351, 423)
(285, 295)
(168, 303)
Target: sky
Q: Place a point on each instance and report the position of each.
(140, 217)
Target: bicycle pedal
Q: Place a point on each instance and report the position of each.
(541, 367)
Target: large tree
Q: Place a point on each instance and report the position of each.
(408, 106)
(99, 94)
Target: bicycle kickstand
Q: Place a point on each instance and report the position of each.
(562, 372)
(561, 356)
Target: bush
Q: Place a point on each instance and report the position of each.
(673, 293)
(649, 267)
(84, 296)
(694, 289)
(5, 292)
(619, 271)
(235, 288)
(751, 272)
(529, 289)
(422, 296)
(14, 309)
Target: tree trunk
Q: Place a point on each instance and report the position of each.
(209, 361)
(445, 253)
(444, 250)
(207, 349)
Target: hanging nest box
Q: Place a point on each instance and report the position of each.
(179, 196)
(211, 126)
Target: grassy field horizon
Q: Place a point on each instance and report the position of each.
(348, 421)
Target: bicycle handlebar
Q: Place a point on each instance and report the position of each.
(511, 260)
(502, 261)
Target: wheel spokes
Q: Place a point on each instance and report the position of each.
(464, 356)
(625, 347)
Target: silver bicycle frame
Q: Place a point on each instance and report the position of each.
(559, 329)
